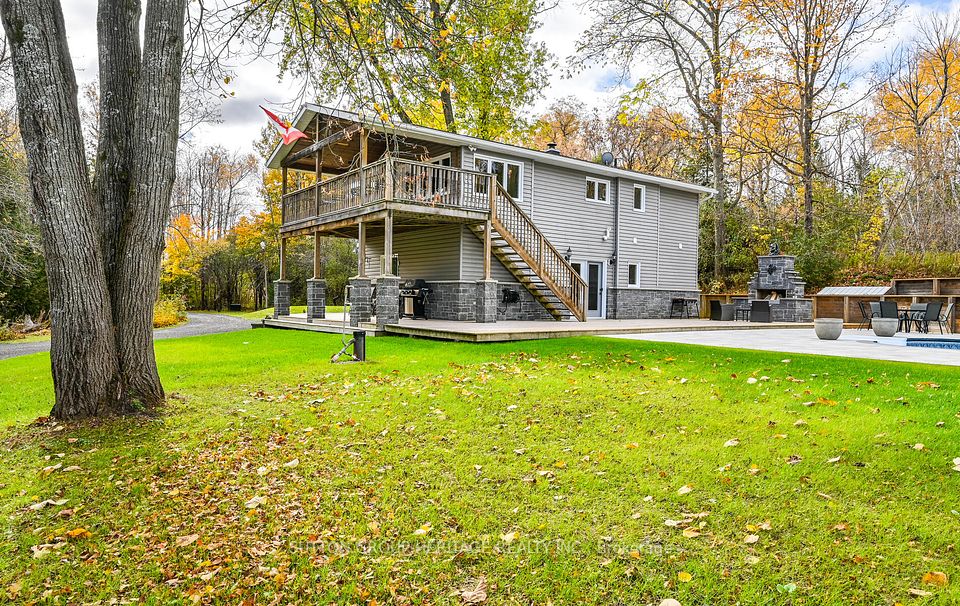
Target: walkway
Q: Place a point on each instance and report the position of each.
(852, 344)
(197, 324)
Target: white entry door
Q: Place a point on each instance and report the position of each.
(593, 274)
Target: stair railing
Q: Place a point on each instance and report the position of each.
(533, 247)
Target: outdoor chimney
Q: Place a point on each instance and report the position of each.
(552, 149)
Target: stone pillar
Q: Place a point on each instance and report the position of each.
(281, 298)
(388, 300)
(486, 301)
(316, 299)
(361, 304)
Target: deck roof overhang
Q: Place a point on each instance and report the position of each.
(406, 217)
(338, 157)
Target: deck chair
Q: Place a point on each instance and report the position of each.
(930, 312)
(866, 315)
(946, 319)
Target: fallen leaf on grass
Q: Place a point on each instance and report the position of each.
(50, 469)
(691, 533)
(186, 540)
(476, 594)
(43, 504)
(685, 489)
(292, 463)
(423, 529)
(732, 442)
(669, 602)
(834, 460)
(918, 446)
(956, 464)
(79, 533)
(254, 502)
(508, 538)
(918, 593)
(751, 380)
(750, 539)
(794, 459)
(939, 579)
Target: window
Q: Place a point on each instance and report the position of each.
(509, 174)
(442, 160)
(598, 190)
(633, 274)
(640, 198)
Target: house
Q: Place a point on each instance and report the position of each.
(494, 231)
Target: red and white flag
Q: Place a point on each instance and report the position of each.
(290, 134)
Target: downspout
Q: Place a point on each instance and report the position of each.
(533, 177)
(659, 204)
(616, 234)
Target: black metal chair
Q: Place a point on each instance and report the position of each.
(760, 311)
(921, 319)
(866, 316)
(946, 319)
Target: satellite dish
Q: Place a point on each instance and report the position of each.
(607, 158)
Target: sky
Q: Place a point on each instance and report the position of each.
(256, 82)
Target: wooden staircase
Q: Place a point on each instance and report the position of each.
(533, 260)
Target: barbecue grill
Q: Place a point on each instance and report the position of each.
(413, 299)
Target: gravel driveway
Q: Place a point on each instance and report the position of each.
(197, 324)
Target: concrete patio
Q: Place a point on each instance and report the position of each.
(851, 344)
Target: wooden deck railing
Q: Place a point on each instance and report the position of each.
(537, 252)
(390, 179)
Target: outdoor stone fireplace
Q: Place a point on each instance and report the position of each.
(777, 281)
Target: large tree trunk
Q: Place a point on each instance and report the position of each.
(103, 243)
(154, 168)
(82, 352)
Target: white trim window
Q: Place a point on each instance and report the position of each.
(509, 174)
(640, 198)
(633, 275)
(598, 190)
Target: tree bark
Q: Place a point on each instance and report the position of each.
(82, 349)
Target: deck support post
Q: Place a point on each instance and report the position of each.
(283, 258)
(317, 257)
(362, 249)
(316, 299)
(388, 243)
(360, 299)
(487, 249)
(388, 300)
(281, 298)
(486, 311)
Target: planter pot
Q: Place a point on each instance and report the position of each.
(885, 327)
(828, 329)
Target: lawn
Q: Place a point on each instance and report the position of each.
(571, 471)
(261, 313)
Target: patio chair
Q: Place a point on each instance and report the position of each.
(914, 316)
(719, 311)
(946, 319)
(888, 309)
(931, 311)
(867, 314)
(759, 311)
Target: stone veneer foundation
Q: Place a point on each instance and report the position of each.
(638, 303)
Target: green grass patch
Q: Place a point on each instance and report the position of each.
(585, 470)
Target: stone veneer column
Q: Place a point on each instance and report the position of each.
(361, 304)
(316, 299)
(281, 298)
(388, 300)
(486, 301)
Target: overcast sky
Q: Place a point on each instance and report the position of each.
(257, 83)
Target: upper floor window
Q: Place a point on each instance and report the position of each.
(509, 174)
(598, 190)
(640, 197)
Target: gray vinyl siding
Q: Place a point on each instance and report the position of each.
(638, 235)
(679, 225)
(527, 177)
(431, 253)
(567, 219)
(471, 261)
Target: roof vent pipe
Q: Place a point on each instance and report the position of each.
(552, 149)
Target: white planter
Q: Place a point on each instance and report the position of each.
(885, 327)
(828, 329)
